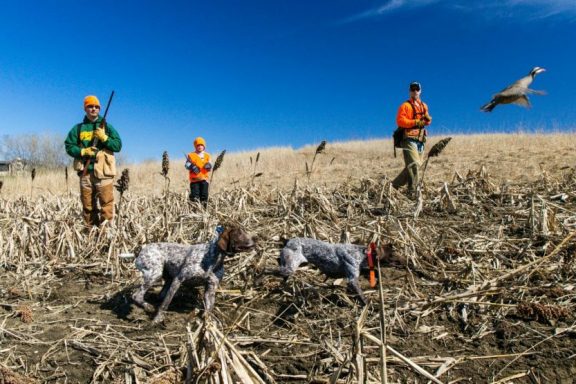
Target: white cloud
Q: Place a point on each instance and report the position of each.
(531, 9)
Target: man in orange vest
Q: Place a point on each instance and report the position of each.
(413, 118)
(198, 165)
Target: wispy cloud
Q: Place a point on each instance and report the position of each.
(527, 9)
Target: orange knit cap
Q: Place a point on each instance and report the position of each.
(91, 100)
(199, 141)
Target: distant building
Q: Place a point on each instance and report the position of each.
(5, 168)
(17, 166)
(12, 168)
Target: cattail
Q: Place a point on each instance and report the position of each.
(219, 160)
(33, 176)
(254, 174)
(434, 151)
(217, 163)
(439, 147)
(321, 147)
(122, 186)
(66, 177)
(123, 182)
(1, 184)
(165, 164)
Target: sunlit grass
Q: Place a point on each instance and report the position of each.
(519, 157)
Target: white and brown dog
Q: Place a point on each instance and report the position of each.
(199, 264)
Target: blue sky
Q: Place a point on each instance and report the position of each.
(255, 73)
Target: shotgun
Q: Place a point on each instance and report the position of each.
(95, 140)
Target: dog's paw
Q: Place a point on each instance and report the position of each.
(149, 308)
(159, 318)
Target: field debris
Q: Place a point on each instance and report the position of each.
(481, 288)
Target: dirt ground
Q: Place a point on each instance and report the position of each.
(481, 287)
(87, 305)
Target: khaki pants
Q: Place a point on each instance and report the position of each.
(412, 151)
(92, 192)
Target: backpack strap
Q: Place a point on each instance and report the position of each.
(79, 128)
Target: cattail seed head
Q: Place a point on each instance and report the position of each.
(66, 173)
(123, 182)
(1, 184)
(165, 164)
(439, 147)
(219, 160)
(321, 147)
(33, 174)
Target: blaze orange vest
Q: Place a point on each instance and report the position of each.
(407, 114)
(197, 161)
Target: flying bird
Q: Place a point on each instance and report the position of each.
(516, 93)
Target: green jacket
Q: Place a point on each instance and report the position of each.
(81, 135)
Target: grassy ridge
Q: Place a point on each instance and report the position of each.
(519, 157)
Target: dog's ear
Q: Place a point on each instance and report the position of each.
(224, 239)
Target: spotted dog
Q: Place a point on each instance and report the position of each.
(334, 260)
(196, 265)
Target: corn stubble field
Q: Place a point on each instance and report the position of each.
(481, 287)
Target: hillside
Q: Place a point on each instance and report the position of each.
(518, 157)
(480, 287)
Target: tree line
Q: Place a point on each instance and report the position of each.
(45, 150)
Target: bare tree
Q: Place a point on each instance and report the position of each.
(37, 150)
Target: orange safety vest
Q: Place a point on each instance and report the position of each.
(197, 161)
(408, 113)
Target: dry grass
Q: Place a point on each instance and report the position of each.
(518, 157)
(482, 289)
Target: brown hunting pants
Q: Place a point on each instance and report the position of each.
(92, 192)
(412, 152)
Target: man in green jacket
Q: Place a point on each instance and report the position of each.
(89, 141)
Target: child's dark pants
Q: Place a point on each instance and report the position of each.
(199, 191)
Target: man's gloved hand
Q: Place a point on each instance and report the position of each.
(195, 168)
(88, 152)
(427, 117)
(208, 166)
(100, 134)
(419, 123)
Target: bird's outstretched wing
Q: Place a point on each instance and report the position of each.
(522, 101)
(535, 92)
